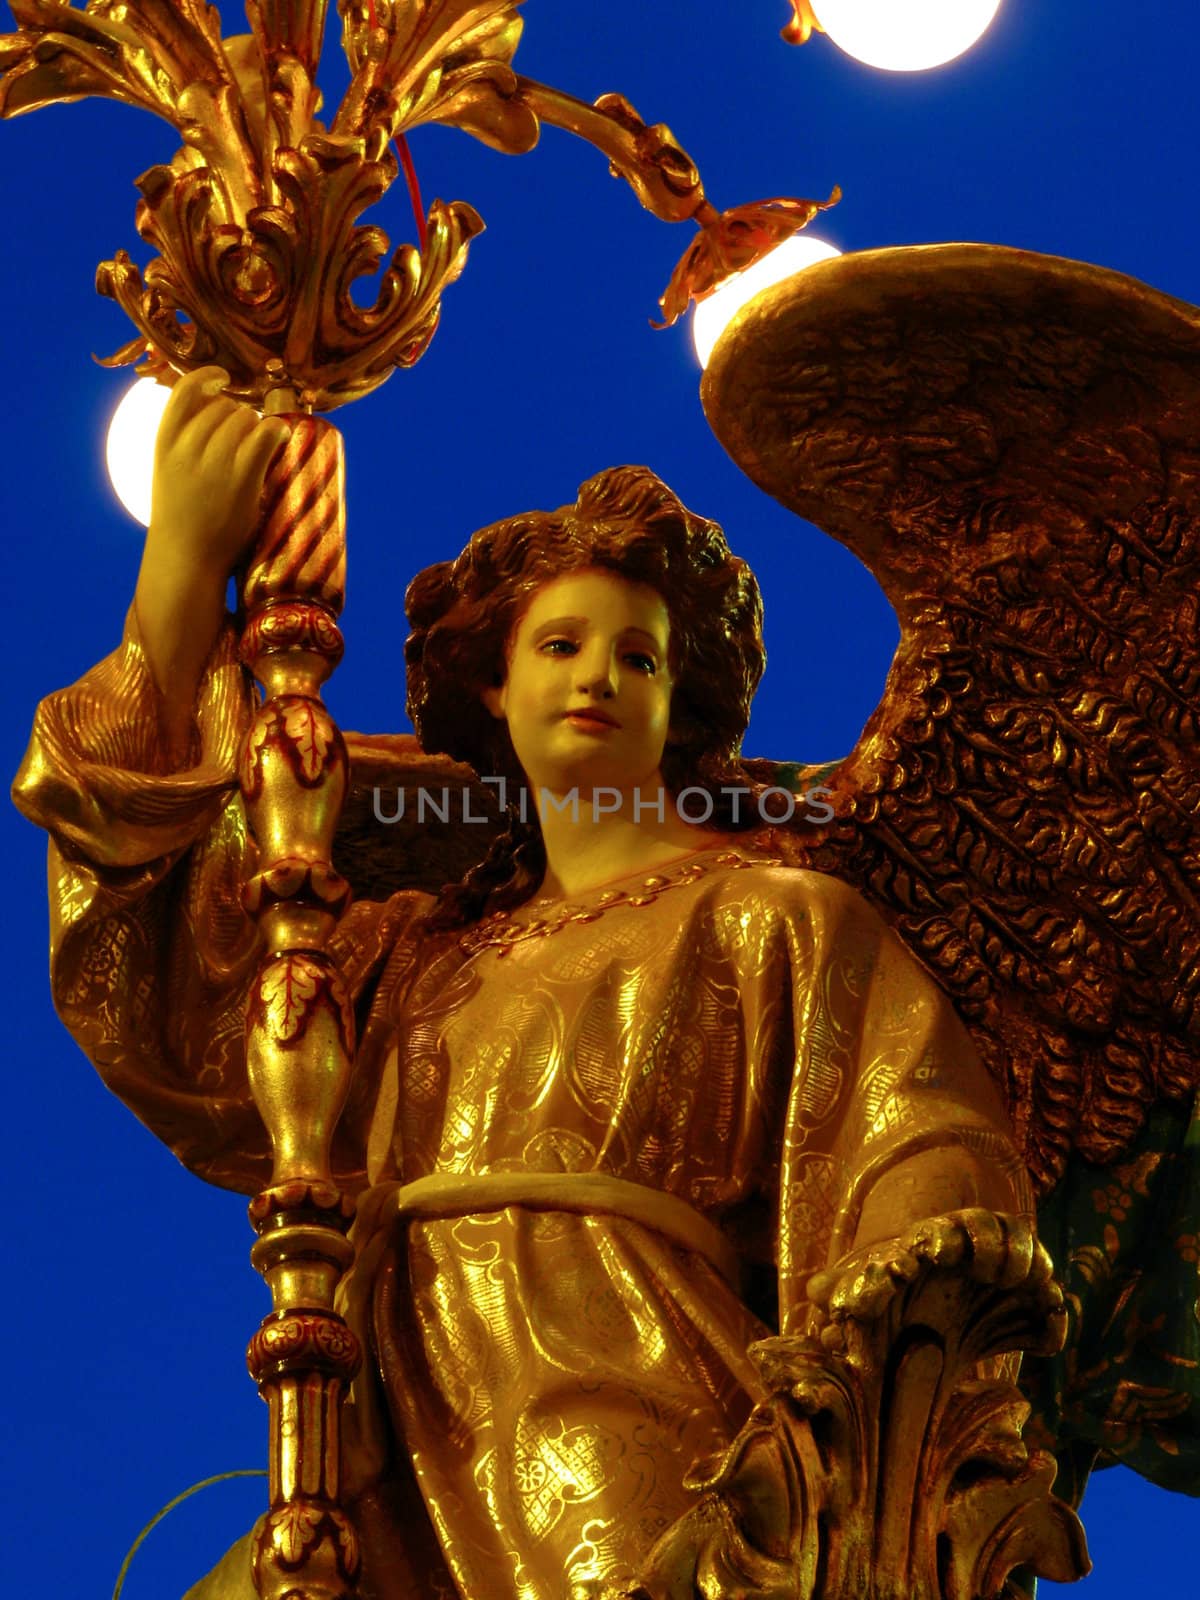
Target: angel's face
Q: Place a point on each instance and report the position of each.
(587, 692)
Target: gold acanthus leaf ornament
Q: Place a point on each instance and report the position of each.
(294, 1529)
(435, 61)
(255, 220)
(886, 1461)
(310, 735)
(271, 301)
(731, 241)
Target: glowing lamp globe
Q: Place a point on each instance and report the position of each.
(129, 447)
(905, 35)
(712, 316)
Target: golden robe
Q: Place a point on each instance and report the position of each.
(743, 1047)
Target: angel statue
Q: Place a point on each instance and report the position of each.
(696, 1127)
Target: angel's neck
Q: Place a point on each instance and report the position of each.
(592, 840)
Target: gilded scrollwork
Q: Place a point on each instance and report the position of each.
(301, 1338)
(270, 300)
(887, 1461)
(289, 627)
(256, 221)
(435, 61)
(730, 242)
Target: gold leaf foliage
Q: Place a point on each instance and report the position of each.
(146, 55)
(887, 1459)
(254, 219)
(731, 242)
(294, 1528)
(435, 61)
(288, 990)
(271, 301)
(311, 734)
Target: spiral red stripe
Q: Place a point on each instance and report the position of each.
(301, 550)
(306, 460)
(325, 563)
(300, 477)
(284, 518)
(315, 548)
(292, 464)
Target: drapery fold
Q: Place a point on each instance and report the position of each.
(743, 1042)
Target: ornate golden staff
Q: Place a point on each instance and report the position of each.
(255, 222)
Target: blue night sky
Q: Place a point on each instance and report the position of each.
(1065, 131)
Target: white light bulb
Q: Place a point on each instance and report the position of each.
(712, 316)
(905, 35)
(129, 447)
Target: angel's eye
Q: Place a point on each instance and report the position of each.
(559, 647)
(642, 662)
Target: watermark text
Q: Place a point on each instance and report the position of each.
(773, 806)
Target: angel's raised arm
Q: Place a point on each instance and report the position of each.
(211, 458)
(133, 773)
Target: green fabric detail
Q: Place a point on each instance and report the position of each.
(1126, 1246)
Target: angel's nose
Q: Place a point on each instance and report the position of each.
(598, 670)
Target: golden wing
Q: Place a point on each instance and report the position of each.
(1011, 443)
(410, 820)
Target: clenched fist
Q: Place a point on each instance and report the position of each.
(210, 461)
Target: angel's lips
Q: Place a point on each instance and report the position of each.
(590, 718)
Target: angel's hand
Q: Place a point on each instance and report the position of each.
(210, 462)
(989, 1247)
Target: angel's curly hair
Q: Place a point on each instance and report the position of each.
(463, 614)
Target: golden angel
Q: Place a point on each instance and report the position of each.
(684, 1080)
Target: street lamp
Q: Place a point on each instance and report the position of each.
(255, 222)
(714, 314)
(249, 225)
(895, 35)
(129, 445)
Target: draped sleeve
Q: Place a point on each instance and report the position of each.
(880, 1070)
(151, 953)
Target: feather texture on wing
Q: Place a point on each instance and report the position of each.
(1011, 443)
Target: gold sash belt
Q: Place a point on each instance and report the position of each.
(443, 1195)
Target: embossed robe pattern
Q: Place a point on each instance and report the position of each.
(733, 1042)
